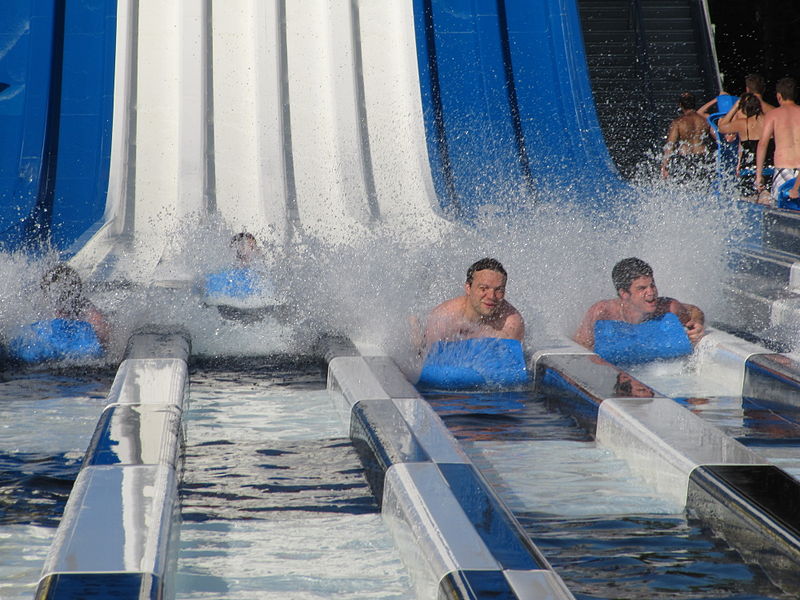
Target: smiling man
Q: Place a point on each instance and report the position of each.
(481, 312)
(617, 320)
(474, 341)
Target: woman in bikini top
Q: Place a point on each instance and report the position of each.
(746, 119)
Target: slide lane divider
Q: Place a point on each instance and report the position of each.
(114, 538)
(774, 379)
(456, 536)
(744, 498)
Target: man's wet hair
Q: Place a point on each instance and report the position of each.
(238, 239)
(755, 83)
(628, 269)
(687, 101)
(787, 88)
(63, 284)
(750, 105)
(64, 275)
(483, 264)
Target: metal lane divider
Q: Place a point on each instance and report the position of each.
(457, 538)
(742, 496)
(114, 539)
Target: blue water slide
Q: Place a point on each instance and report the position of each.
(56, 95)
(507, 102)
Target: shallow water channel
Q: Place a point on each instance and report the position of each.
(46, 421)
(605, 531)
(274, 503)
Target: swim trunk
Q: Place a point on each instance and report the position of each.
(780, 177)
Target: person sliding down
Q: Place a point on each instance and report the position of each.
(244, 292)
(475, 340)
(79, 329)
(639, 325)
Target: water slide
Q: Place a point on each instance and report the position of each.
(304, 120)
(283, 119)
(290, 119)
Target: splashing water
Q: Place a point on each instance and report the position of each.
(558, 255)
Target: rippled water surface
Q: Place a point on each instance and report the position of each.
(605, 531)
(274, 502)
(46, 422)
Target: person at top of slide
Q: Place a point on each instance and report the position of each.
(783, 124)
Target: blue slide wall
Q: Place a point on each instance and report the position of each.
(507, 102)
(56, 94)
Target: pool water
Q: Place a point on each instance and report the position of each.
(46, 422)
(605, 531)
(274, 503)
(770, 430)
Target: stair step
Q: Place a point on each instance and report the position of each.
(767, 262)
(608, 36)
(756, 305)
(613, 32)
(782, 230)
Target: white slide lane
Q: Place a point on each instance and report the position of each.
(288, 118)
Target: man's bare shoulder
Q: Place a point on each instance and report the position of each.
(449, 307)
(604, 309)
(773, 115)
(512, 316)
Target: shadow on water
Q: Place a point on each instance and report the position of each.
(35, 488)
(238, 481)
(644, 556)
(502, 416)
(47, 416)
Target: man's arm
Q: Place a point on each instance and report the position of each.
(99, 324)
(761, 151)
(514, 327)
(692, 318)
(794, 193)
(726, 124)
(585, 332)
(704, 111)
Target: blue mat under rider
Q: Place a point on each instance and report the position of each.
(474, 363)
(56, 339)
(628, 343)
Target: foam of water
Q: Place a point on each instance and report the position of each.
(558, 254)
(695, 376)
(348, 557)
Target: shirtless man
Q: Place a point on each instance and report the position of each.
(638, 301)
(481, 312)
(686, 151)
(783, 124)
